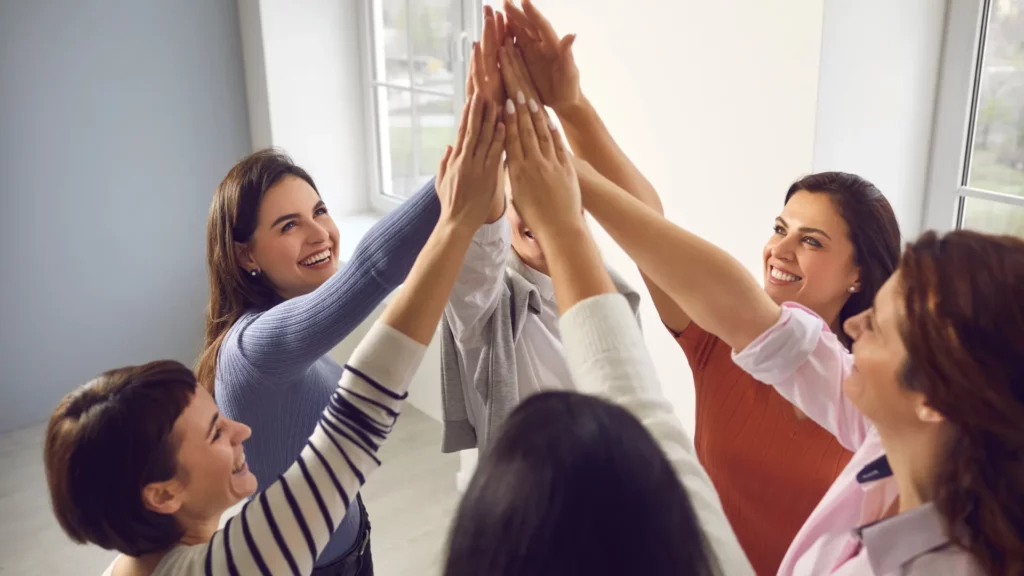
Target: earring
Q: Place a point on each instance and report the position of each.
(254, 273)
(853, 289)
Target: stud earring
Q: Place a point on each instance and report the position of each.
(853, 289)
(254, 273)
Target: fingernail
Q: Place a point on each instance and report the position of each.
(533, 105)
(551, 124)
(510, 107)
(521, 97)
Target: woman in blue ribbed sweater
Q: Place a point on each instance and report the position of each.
(279, 301)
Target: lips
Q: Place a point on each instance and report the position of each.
(317, 259)
(240, 465)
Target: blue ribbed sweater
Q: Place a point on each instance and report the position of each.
(273, 373)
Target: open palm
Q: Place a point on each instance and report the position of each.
(549, 58)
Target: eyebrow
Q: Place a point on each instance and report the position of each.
(213, 422)
(806, 229)
(294, 215)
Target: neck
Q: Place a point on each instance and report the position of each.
(913, 457)
(200, 532)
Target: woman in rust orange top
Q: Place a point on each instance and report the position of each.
(832, 247)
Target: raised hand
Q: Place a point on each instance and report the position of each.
(548, 58)
(545, 190)
(467, 178)
(484, 71)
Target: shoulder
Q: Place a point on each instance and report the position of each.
(183, 560)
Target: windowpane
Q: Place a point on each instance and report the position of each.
(396, 138)
(395, 41)
(997, 158)
(416, 136)
(433, 32)
(418, 41)
(993, 217)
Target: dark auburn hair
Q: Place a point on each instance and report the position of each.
(575, 485)
(105, 442)
(234, 214)
(964, 333)
(874, 233)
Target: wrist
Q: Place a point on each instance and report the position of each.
(560, 231)
(574, 112)
(456, 228)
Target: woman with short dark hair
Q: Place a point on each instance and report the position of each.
(140, 460)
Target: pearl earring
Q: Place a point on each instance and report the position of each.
(853, 289)
(254, 273)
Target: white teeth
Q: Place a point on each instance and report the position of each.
(317, 258)
(785, 277)
(239, 465)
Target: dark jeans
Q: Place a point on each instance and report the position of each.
(358, 561)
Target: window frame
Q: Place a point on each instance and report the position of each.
(958, 92)
(471, 13)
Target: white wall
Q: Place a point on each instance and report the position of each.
(304, 81)
(117, 120)
(715, 102)
(876, 96)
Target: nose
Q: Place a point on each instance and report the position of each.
(318, 234)
(784, 248)
(240, 432)
(854, 326)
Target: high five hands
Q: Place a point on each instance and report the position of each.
(518, 66)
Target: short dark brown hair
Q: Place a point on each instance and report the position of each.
(105, 442)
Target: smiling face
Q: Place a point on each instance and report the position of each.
(212, 472)
(875, 385)
(294, 245)
(524, 242)
(809, 258)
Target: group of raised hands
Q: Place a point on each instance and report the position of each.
(519, 67)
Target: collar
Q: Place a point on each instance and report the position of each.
(542, 281)
(893, 542)
(877, 469)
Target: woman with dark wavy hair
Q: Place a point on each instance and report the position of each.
(932, 402)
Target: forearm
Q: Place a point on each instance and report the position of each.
(416, 309)
(715, 290)
(574, 263)
(591, 140)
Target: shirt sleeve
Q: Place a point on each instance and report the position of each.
(608, 358)
(284, 528)
(289, 337)
(807, 364)
(479, 284)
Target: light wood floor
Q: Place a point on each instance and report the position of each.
(410, 499)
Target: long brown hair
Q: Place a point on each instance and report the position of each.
(964, 332)
(234, 214)
(874, 233)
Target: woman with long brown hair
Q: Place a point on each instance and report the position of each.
(832, 245)
(931, 400)
(279, 302)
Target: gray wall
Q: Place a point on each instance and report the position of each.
(117, 120)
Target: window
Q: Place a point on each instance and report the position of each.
(977, 164)
(415, 54)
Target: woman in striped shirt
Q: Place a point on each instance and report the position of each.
(141, 461)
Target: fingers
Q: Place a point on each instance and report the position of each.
(497, 146)
(490, 37)
(522, 72)
(499, 25)
(513, 143)
(540, 23)
(442, 169)
(476, 114)
(527, 133)
(473, 79)
(561, 151)
(486, 129)
(462, 125)
(520, 23)
(542, 128)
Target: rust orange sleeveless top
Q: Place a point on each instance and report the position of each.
(770, 467)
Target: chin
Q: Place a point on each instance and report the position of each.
(243, 487)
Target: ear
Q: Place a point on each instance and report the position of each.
(163, 497)
(928, 415)
(243, 255)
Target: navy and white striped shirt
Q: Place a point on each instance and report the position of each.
(285, 527)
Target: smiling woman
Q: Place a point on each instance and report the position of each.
(279, 301)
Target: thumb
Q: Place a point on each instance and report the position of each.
(565, 45)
